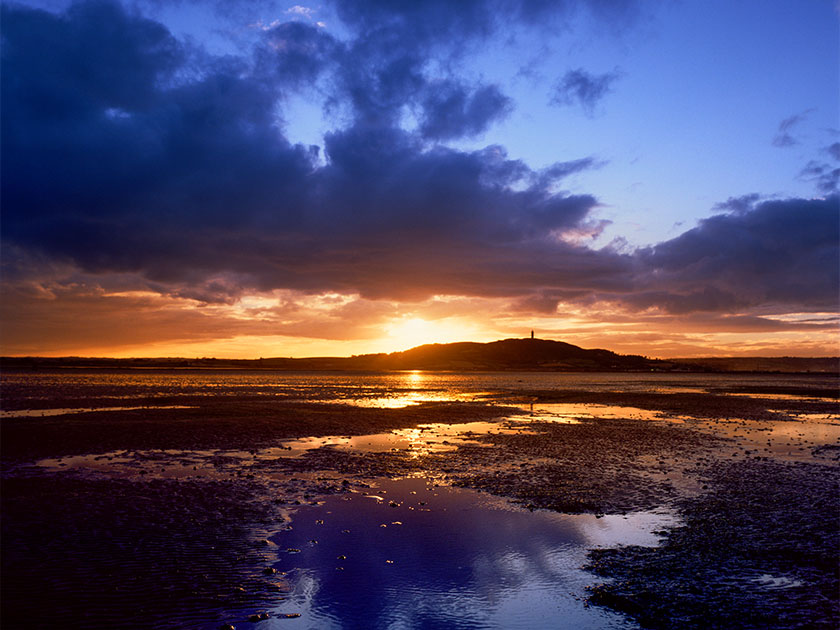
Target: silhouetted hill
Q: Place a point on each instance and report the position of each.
(509, 354)
(504, 355)
(515, 354)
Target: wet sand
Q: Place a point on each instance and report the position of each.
(164, 517)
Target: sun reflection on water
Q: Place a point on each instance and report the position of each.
(415, 377)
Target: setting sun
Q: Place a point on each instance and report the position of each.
(405, 333)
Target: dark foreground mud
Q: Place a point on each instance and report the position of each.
(758, 550)
(168, 517)
(600, 466)
(211, 423)
(105, 553)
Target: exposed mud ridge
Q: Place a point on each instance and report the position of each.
(788, 390)
(234, 423)
(567, 489)
(356, 465)
(699, 405)
(105, 553)
(759, 550)
(595, 466)
(827, 451)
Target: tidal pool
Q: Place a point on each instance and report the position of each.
(410, 554)
(421, 440)
(574, 412)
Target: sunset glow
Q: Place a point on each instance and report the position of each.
(407, 333)
(282, 180)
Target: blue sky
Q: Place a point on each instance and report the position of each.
(702, 88)
(263, 177)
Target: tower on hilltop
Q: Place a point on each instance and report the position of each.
(532, 334)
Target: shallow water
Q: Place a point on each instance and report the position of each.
(787, 440)
(801, 398)
(574, 412)
(34, 390)
(409, 554)
(422, 440)
(425, 439)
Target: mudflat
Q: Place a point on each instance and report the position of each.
(168, 500)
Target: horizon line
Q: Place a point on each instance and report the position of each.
(373, 354)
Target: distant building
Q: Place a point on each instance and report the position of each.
(532, 334)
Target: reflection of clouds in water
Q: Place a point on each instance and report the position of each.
(461, 560)
(304, 590)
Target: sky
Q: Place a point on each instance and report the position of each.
(267, 179)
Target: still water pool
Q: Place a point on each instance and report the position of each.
(411, 554)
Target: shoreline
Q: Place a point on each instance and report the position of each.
(13, 366)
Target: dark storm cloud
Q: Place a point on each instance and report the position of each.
(128, 153)
(776, 252)
(79, 71)
(744, 203)
(136, 163)
(296, 54)
(436, 21)
(451, 111)
(385, 65)
(384, 69)
(583, 88)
